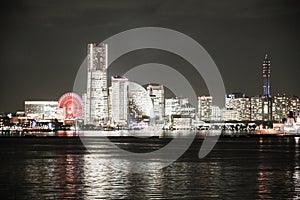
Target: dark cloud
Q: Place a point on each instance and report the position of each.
(43, 42)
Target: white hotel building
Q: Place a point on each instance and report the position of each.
(119, 99)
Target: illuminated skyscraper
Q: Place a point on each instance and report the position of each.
(96, 101)
(266, 76)
(119, 99)
(267, 99)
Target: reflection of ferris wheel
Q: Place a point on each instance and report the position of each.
(71, 104)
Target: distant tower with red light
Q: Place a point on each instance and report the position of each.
(266, 71)
(266, 97)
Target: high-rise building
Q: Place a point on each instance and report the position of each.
(96, 101)
(119, 99)
(156, 92)
(267, 99)
(205, 107)
(266, 71)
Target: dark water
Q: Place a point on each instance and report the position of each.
(237, 168)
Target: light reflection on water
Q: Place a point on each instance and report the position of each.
(238, 168)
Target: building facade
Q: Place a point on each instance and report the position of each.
(157, 95)
(280, 107)
(266, 72)
(119, 100)
(266, 97)
(205, 107)
(42, 110)
(140, 103)
(283, 104)
(96, 100)
(240, 103)
(172, 107)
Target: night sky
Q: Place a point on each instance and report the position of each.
(43, 43)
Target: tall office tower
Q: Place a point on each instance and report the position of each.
(156, 93)
(96, 94)
(205, 107)
(266, 71)
(267, 99)
(119, 99)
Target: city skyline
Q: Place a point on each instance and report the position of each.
(97, 100)
(43, 46)
(124, 103)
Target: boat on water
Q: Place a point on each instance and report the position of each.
(292, 126)
(289, 126)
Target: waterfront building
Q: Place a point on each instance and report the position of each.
(42, 110)
(205, 107)
(179, 106)
(240, 103)
(181, 122)
(267, 108)
(229, 115)
(280, 107)
(96, 100)
(216, 113)
(294, 105)
(156, 92)
(139, 103)
(256, 107)
(119, 99)
(172, 107)
(187, 109)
